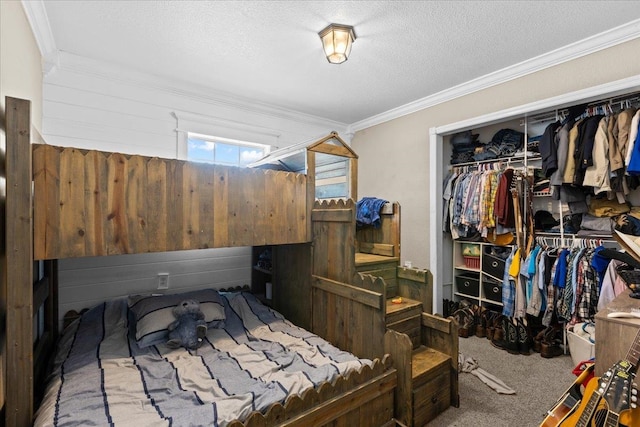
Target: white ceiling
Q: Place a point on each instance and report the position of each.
(269, 51)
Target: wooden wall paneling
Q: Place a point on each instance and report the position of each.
(241, 232)
(292, 287)
(369, 322)
(416, 284)
(190, 206)
(279, 197)
(118, 240)
(175, 205)
(245, 219)
(320, 245)
(136, 204)
(156, 195)
(353, 174)
(303, 210)
(198, 205)
(19, 264)
(72, 202)
(258, 205)
(39, 221)
(399, 346)
(96, 200)
(273, 228)
(442, 335)
(289, 201)
(377, 240)
(343, 304)
(311, 190)
(333, 231)
(221, 207)
(206, 225)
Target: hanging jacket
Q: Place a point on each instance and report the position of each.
(549, 149)
(503, 206)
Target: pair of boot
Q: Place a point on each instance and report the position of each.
(548, 342)
(514, 338)
(449, 307)
(493, 324)
(466, 321)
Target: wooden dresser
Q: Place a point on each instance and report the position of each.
(615, 335)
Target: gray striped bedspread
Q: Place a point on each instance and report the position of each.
(101, 377)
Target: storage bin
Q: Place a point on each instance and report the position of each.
(492, 265)
(471, 249)
(472, 262)
(468, 284)
(580, 338)
(492, 289)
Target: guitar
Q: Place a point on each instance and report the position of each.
(569, 400)
(620, 394)
(621, 400)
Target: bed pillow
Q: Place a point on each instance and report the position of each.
(153, 314)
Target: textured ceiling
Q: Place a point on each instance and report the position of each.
(269, 51)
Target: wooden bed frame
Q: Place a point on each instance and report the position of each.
(93, 203)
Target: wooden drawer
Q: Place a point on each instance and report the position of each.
(431, 398)
(405, 318)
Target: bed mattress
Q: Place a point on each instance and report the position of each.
(102, 377)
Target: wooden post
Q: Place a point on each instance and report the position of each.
(19, 263)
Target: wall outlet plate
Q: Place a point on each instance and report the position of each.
(163, 280)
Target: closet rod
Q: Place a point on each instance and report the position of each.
(507, 160)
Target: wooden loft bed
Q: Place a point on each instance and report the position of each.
(89, 203)
(71, 203)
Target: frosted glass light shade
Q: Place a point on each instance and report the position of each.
(336, 42)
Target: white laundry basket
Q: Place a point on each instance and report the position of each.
(581, 338)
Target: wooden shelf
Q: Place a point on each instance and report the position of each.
(262, 270)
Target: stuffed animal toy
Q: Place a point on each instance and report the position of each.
(189, 328)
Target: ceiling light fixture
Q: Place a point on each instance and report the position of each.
(336, 42)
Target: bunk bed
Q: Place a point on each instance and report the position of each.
(66, 202)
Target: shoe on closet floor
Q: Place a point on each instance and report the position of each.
(551, 343)
(465, 319)
(505, 336)
(524, 340)
(481, 321)
(548, 350)
(537, 340)
(512, 336)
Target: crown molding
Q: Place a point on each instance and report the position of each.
(567, 53)
(590, 94)
(54, 60)
(37, 17)
(39, 21)
(116, 73)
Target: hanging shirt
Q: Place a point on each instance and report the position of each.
(633, 165)
(612, 285)
(508, 287)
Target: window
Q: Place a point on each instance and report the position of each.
(209, 149)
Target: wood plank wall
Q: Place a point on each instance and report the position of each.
(19, 265)
(333, 224)
(384, 240)
(348, 308)
(92, 203)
